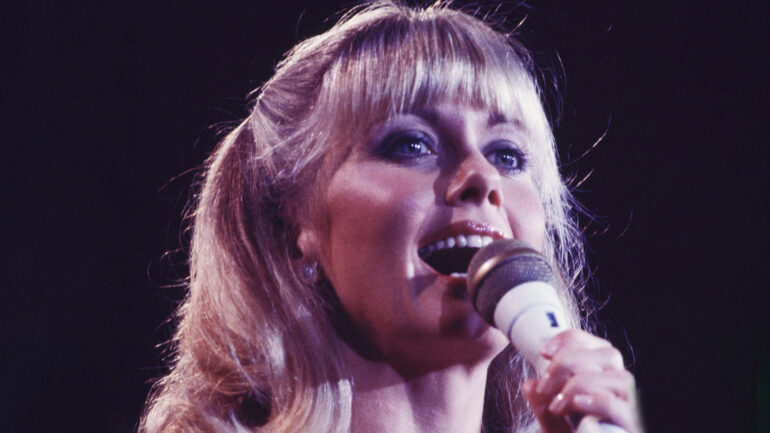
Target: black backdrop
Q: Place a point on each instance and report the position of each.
(103, 103)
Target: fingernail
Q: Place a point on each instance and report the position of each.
(550, 348)
(583, 401)
(557, 404)
(542, 382)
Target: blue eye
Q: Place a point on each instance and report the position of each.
(508, 158)
(405, 146)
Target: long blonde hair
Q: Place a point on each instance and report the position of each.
(254, 349)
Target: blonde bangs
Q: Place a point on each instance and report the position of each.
(391, 66)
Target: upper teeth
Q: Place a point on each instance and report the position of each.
(459, 241)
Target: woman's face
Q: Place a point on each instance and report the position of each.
(405, 211)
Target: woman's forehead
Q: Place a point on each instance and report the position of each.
(436, 114)
(492, 116)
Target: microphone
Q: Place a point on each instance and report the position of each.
(513, 288)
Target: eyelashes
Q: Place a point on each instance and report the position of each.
(405, 146)
(414, 147)
(507, 156)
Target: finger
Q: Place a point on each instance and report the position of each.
(539, 405)
(572, 338)
(569, 362)
(607, 408)
(618, 383)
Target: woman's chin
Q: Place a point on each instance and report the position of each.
(464, 338)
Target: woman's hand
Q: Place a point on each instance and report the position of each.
(586, 376)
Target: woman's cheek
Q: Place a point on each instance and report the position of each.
(525, 213)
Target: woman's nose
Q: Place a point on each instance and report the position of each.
(475, 182)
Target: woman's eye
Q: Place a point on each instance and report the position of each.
(509, 159)
(406, 146)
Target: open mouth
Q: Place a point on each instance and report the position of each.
(451, 256)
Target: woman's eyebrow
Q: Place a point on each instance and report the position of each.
(428, 114)
(497, 118)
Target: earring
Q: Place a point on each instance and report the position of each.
(308, 271)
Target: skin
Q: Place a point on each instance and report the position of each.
(419, 354)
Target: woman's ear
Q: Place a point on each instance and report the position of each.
(309, 247)
(307, 242)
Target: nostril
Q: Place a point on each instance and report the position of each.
(475, 195)
(495, 198)
(469, 194)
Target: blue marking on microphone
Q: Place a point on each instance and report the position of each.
(552, 319)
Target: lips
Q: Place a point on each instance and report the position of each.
(449, 250)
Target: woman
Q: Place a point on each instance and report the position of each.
(333, 228)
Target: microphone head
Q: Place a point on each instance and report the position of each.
(501, 266)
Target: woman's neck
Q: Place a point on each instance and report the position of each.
(445, 400)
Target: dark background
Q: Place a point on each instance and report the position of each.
(104, 103)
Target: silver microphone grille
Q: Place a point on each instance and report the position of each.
(501, 266)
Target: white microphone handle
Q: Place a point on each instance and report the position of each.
(530, 314)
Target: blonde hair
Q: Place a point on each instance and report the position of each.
(254, 349)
